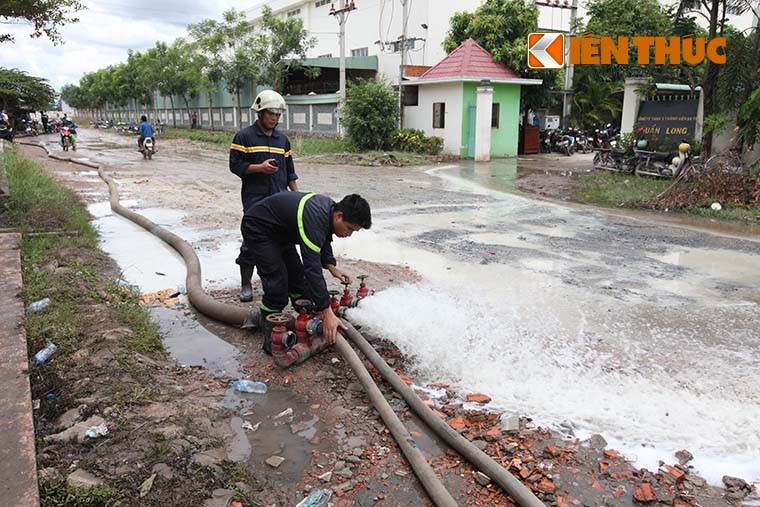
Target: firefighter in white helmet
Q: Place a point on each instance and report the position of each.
(260, 156)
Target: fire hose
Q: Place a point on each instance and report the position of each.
(246, 318)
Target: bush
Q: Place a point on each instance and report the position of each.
(433, 145)
(414, 140)
(370, 115)
(409, 140)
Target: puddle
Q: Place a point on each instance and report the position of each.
(499, 174)
(190, 344)
(141, 255)
(272, 437)
(725, 264)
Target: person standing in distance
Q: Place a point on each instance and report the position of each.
(260, 156)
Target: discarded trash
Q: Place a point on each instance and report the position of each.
(716, 206)
(249, 386)
(288, 412)
(160, 273)
(123, 283)
(318, 498)
(247, 426)
(146, 486)
(166, 297)
(96, 431)
(36, 404)
(45, 354)
(50, 396)
(38, 305)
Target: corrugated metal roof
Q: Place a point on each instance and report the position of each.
(468, 60)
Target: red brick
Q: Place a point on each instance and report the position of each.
(644, 493)
(674, 472)
(546, 486)
(458, 423)
(478, 398)
(611, 453)
(619, 492)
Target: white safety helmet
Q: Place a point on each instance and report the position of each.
(269, 99)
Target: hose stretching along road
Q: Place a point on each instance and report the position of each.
(242, 317)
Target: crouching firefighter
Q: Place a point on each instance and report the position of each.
(280, 222)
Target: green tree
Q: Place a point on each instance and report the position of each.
(285, 42)
(613, 18)
(502, 28)
(233, 48)
(370, 115)
(44, 15)
(714, 13)
(595, 101)
(19, 90)
(173, 72)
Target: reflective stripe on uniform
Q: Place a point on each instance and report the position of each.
(301, 230)
(267, 309)
(288, 154)
(258, 149)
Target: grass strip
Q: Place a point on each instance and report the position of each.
(69, 269)
(617, 190)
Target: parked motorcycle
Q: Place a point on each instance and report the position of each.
(614, 159)
(148, 148)
(582, 141)
(565, 143)
(545, 141)
(30, 127)
(67, 139)
(662, 164)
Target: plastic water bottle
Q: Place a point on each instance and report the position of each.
(318, 498)
(249, 386)
(38, 305)
(44, 354)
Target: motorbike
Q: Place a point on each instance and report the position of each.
(661, 164)
(67, 140)
(30, 127)
(148, 149)
(564, 142)
(545, 141)
(582, 141)
(6, 132)
(614, 159)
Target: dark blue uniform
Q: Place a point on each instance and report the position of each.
(252, 146)
(275, 225)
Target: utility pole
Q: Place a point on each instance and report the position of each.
(567, 103)
(341, 15)
(402, 67)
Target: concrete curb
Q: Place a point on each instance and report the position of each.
(18, 464)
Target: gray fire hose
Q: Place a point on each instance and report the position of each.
(241, 317)
(521, 494)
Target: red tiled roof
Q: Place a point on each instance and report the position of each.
(469, 60)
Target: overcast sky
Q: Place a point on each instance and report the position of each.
(104, 33)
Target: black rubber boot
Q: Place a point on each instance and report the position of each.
(246, 291)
